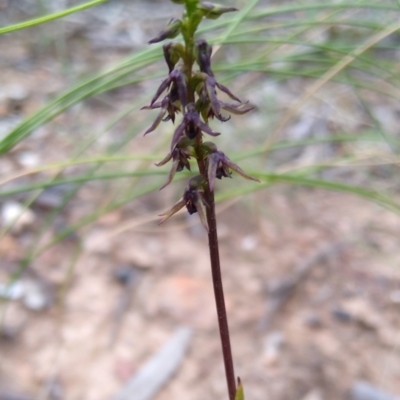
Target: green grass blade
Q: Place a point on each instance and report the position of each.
(367, 193)
(268, 179)
(89, 87)
(80, 178)
(51, 17)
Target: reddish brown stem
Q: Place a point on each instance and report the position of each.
(217, 284)
(212, 235)
(219, 295)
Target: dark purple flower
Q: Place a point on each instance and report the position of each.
(208, 103)
(178, 90)
(180, 156)
(219, 165)
(194, 201)
(167, 106)
(191, 125)
(203, 53)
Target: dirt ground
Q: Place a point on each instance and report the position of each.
(312, 277)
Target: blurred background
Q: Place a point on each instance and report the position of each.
(99, 302)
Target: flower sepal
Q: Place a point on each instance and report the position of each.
(180, 156)
(193, 199)
(178, 90)
(213, 11)
(172, 30)
(191, 126)
(203, 52)
(220, 166)
(173, 51)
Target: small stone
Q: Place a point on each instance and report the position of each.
(9, 248)
(14, 320)
(395, 296)
(341, 315)
(125, 274)
(53, 197)
(8, 333)
(35, 298)
(54, 389)
(28, 159)
(314, 394)
(12, 291)
(273, 348)
(98, 241)
(8, 395)
(362, 390)
(14, 214)
(16, 92)
(313, 321)
(249, 243)
(363, 312)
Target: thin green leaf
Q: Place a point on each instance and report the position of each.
(51, 17)
(239, 391)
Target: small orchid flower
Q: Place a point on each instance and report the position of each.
(172, 30)
(180, 156)
(178, 81)
(193, 199)
(214, 11)
(219, 165)
(210, 106)
(166, 107)
(191, 125)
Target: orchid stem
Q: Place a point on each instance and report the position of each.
(219, 295)
(194, 93)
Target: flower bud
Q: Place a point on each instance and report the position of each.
(196, 182)
(203, 53)
(208, 148)
(214, 11)
(172, 53)
(171, 31)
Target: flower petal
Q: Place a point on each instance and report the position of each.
(153, 106)
(212, 95)
(171, 30)
(171, 174)
(164, 85)
(239, 109)
(164, 160)
(236, 168)
(156, 122)
(180, 82)
(175, 208)
(178, 133)
(204, 127)
(213, 161)
(202, 214)
(227, 91)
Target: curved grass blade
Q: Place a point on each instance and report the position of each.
(48, 18)
(270, 178)
(90, 87)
